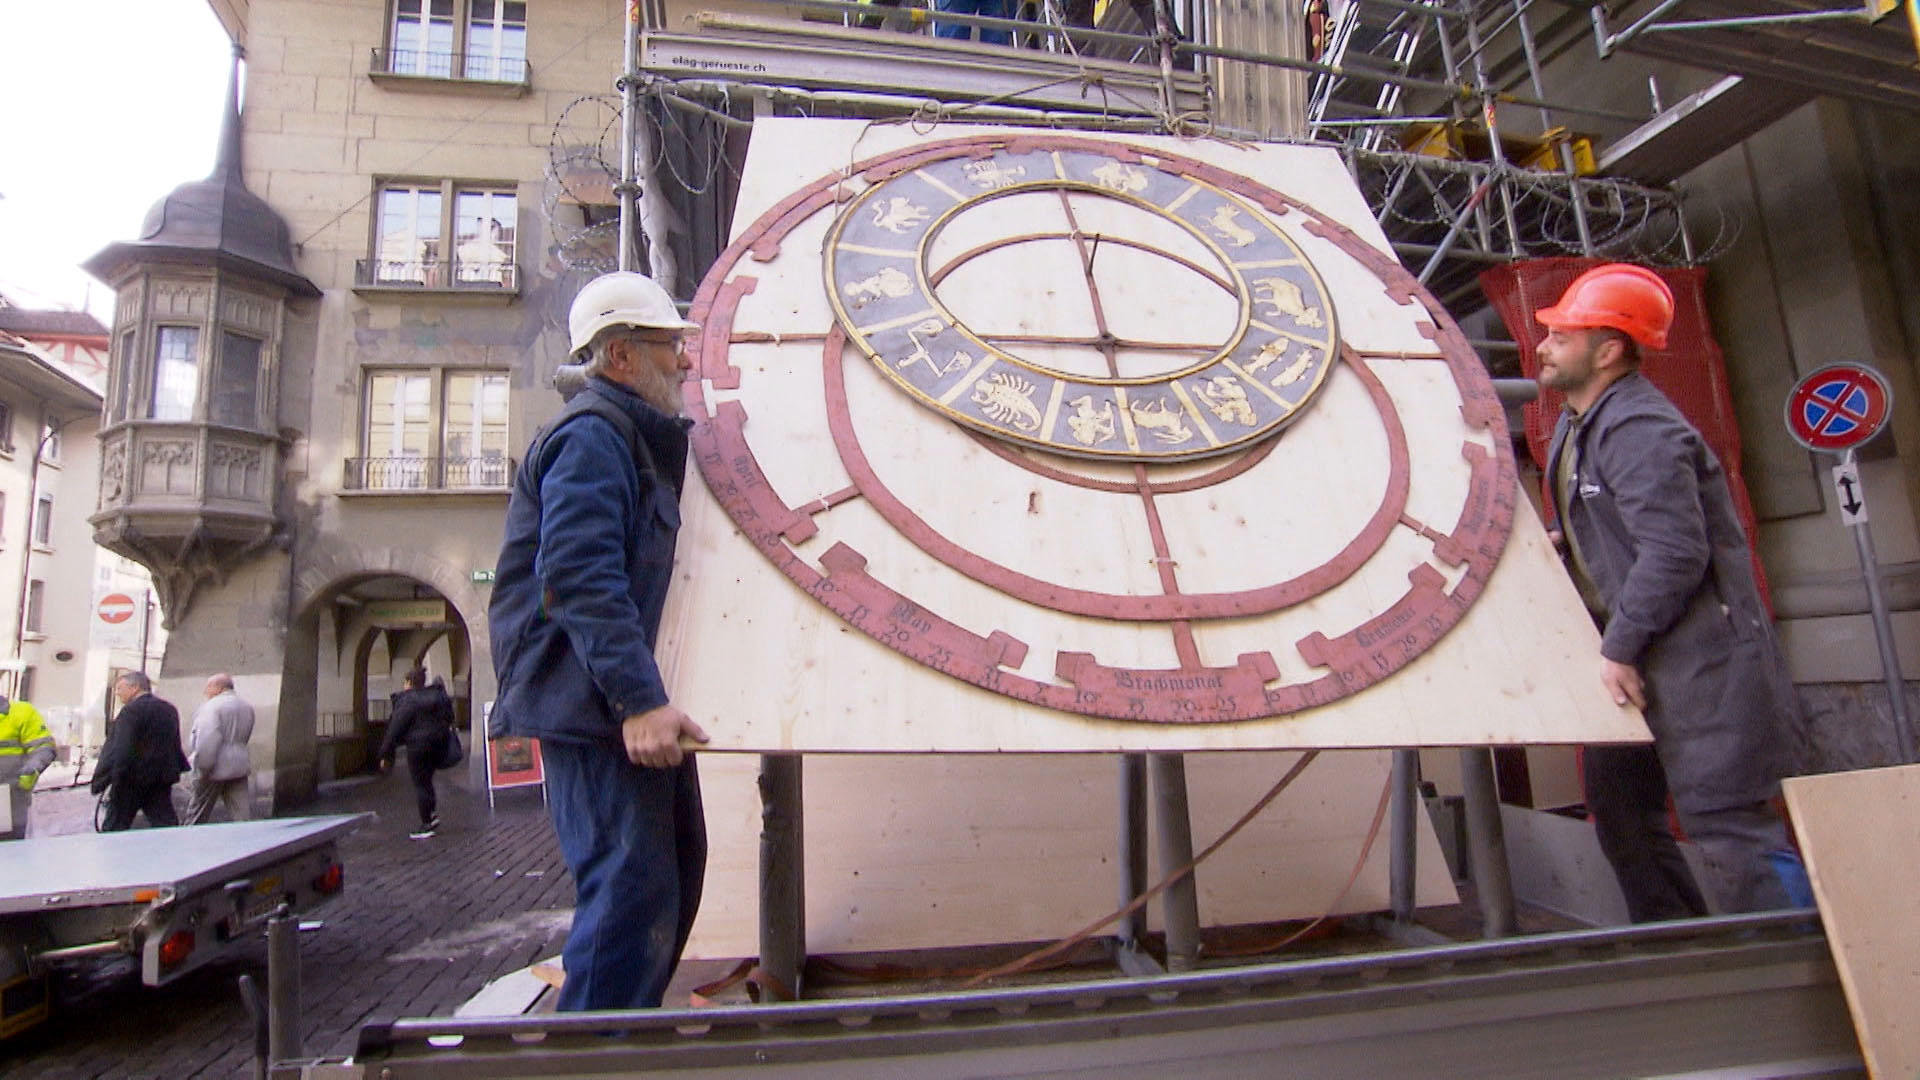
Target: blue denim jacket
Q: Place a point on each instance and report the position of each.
(583, 573)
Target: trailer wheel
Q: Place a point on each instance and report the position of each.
(25, 994)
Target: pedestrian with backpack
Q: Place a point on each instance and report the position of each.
(422, 721)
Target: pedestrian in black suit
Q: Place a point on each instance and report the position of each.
(142, 759)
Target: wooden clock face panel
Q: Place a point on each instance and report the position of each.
(1077, 422)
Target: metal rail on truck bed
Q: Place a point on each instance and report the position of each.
(141, 865)
(1755, 994)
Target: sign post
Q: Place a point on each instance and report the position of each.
(113, 625)
(512, 761)
(1835, 410)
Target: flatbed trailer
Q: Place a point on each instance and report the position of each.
(176, 899)
(1741, 996)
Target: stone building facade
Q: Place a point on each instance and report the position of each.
(397, 321)
(318, 398)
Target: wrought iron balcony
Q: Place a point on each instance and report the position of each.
(435, 275)
(452, 66)
(492, 472)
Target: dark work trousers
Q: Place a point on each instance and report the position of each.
(1627, 794)
(635, 840)
(420, 765)
(126, 800)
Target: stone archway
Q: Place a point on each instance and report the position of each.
(350, 617)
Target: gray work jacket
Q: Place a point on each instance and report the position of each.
(1649, 507)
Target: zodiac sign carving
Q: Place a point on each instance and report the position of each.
(889, 283)
(1226, 223)
(1124, 179)
(1225, 398)
(959, 361)
(1089, 425)
(1166, 424)
(1269, 354)
(991, 174)
(897, 215)
(1292, 372)
(1008, 399)
(1286, 299)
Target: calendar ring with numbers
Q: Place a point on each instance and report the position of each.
(1013, 407)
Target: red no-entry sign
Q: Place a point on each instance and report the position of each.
(1838, 407)
(116, 608)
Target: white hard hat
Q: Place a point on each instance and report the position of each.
(621, 298)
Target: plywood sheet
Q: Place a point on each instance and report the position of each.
(1863, 853)
(914, 851)
(984, 538)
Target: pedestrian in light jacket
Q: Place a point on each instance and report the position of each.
(217, 749)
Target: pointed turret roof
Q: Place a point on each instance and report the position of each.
(214, 220)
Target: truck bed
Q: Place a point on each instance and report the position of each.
(139, 865)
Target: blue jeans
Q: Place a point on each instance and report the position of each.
(636, 842)
(992, 9)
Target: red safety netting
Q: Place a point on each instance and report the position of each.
(1691, 370)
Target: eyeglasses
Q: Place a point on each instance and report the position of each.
(678, 342)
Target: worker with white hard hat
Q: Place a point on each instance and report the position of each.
(581, 581)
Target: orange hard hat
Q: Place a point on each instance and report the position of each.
(1630, 299)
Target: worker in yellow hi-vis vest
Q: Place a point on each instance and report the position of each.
(25, 751)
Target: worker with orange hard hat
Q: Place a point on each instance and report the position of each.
(1656, 548)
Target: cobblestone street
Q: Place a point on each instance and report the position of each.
(421, 926)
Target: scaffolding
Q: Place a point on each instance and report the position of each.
(1414, 93)
(1441, 108)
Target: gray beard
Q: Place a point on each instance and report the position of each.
(662, 391)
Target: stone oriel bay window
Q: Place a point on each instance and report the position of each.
(191, 439)
(432, 429)
(190, 415)
(190, 449)
(442, 236)
(194, 370)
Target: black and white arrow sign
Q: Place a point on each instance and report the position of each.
(1853, 497)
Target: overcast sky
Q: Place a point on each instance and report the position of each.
(105, 106)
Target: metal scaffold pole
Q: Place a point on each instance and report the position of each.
(1489, 114)
(641, 199)
(783, 889)
(629, 135)
(1567, 159)
(1132, 930)
(1180, 904)
(1403, 834)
